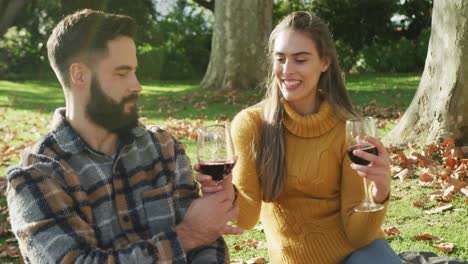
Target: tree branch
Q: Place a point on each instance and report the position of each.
(206, 4)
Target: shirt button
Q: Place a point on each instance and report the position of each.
(126, 218)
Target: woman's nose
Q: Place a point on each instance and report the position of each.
(288, 67)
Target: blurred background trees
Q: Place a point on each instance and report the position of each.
(175, 36)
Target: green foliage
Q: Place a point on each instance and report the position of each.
(19, 56)
(149, 61)
(365, 35)
(283, 8)
(357, 22)
(347, 56)
(417, 15)
(174, 46)
(177, 45)
(183, 46)
(402, 55)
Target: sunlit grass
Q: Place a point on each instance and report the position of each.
(26, 108)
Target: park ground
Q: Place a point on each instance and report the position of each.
(430, 194)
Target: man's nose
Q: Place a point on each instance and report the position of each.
(136, 86)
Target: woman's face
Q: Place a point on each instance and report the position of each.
(298, 67)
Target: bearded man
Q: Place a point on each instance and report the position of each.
(100, 187)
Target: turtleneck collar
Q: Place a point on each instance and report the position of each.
(311, 125)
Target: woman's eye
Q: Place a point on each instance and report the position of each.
(281, 60)
(300, 60)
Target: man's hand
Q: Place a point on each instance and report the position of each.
(206, 219)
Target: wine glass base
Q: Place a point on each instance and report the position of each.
(368, 207)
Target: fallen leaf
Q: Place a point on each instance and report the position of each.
(11, 240)
(450, 162)
(425, 177)
(402, 174)
(439, 209)
(425, 236)
(256, 260)
(419, 204)
(392, 231)
(446, 247)
(9, 251)
(4, 228)
(436, 195)
(250, 243)
(464, 191)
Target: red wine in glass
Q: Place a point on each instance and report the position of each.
(364, 147)
(356, 132)
(217, 170)
(215, 151)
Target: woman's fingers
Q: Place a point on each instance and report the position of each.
(232, 230)
(379, 145)
(212, 189)
(382, 159)
(207, 183)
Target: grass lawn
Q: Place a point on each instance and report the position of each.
(26, 108)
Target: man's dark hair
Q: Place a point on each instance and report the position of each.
(82, 37)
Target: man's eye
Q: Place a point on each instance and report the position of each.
(300, 60)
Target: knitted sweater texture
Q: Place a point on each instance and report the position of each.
(313, 220)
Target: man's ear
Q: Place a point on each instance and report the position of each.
(80, 75)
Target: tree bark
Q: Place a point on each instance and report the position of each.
(440, 106)
(240, 35)
(8, 12)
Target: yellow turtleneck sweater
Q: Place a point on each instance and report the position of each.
(313, 220)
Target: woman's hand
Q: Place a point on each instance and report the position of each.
(377, 171)
(209, 186)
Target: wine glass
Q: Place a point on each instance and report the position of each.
(215, 151)
(356, 131)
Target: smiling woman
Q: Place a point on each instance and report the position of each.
(298, 67)
(293, 172)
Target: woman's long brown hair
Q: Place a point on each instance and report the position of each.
(270, 150)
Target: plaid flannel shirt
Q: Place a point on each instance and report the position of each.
(70, 203)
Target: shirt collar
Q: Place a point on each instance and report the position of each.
(71, 142)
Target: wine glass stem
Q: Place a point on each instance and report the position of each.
(366, 191)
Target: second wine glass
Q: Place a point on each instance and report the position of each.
(215, 151)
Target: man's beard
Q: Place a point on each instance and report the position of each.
(109, 114)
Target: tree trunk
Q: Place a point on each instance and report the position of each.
(440, 106)
(8, 12)
(240, 35)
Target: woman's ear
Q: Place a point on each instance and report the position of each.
(325, 64)
(80, 75)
